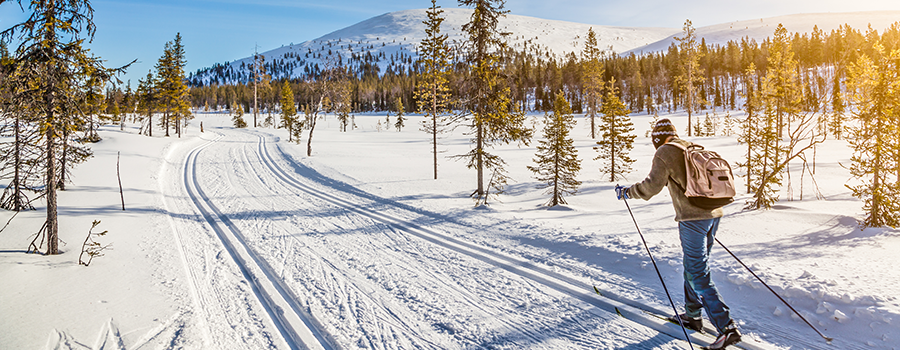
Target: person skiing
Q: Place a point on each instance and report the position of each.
(697, 229)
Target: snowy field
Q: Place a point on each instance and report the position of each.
(235, 239)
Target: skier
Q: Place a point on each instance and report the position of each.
(697, 229)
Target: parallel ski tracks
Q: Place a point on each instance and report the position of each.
(298, 329)
(631, 310)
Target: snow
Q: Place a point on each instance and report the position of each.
(402, 32)
(362, 248)
(760, 29)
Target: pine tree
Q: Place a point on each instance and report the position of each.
(51, 67)
(787, 92)
(780, 98)
(494, 118)
(288, 109)
(557, 159)
(237, 112)
(432, 92)
(615, 138)
(689, 76)
(837, 108)
(172, 91)
(19, 142)
(874, 88)
(398, 108)
(147, 99)
(593, 79)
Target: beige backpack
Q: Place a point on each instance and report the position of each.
(710, 181)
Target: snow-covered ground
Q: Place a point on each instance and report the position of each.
(235, 239)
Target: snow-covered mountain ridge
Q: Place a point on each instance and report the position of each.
(760, 29)
(392, 39)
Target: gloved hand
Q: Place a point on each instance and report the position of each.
(622, 192)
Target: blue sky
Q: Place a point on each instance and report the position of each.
(225, 30)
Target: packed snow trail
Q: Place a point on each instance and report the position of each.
(291, 320)
(332, 266)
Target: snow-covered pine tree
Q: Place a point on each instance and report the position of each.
(873, 86)
(616, 140)
(494, 118)
(432, 92)
(288, 110)
(51, 68)
(557, 159)
(593, 79)
(398, 108)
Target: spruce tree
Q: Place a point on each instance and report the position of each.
(874, 88)
(593, 79)
(237, 116)
(837, 108)
(689, 76)
(432, 92)
(51, 67)
(19, 142)
(288, 109)
(172, 91)
(493, 117)
(398, 108)
(147, 96)
(616, 140)
(557, 159)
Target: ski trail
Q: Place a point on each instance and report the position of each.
(509, 263)
(293, 323)
(192, 278)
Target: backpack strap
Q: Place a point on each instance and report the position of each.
(684, 150)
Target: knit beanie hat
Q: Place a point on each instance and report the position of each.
(661, 131)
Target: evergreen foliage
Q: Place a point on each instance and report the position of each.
(432, 91)
(689, 76)
(874, 89)
(616, 140)
(398, 108)
(557, 159)
(47, 81)
(493, 117)
(171, 90)
(237, 116)
(288, 110)
(593, 79)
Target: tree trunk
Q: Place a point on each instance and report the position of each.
(479, 161)
(62, 163)
(52, 232)
(312, 127)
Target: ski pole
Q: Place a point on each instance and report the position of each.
(680, 322)
(773, 292)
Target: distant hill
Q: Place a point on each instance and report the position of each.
(760, 29)
(389, 42)
(393, 37)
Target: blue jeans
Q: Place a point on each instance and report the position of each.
(697, 238)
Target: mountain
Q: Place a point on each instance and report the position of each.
(391, 40)
(388, 42)
(760, 29)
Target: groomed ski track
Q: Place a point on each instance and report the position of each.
(404, 279)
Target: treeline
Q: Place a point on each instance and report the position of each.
(647, 83)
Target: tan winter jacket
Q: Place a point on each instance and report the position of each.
(668, 170)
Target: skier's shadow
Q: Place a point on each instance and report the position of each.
(649, 343)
